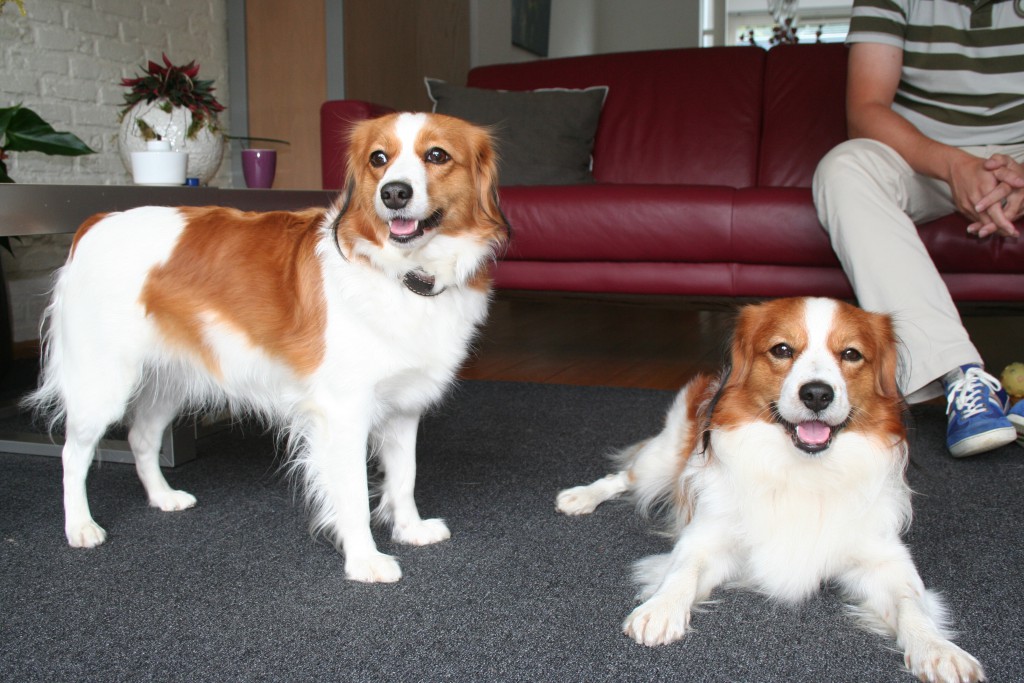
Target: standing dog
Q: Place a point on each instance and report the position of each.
(340, 326)
(786, 471)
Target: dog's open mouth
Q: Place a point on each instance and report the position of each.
(404, 230)
(812, 436)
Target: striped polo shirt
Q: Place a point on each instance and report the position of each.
(963, 64)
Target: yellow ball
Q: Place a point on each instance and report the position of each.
(1013, 379)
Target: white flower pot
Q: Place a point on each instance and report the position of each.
(205, 148)
(158, 165)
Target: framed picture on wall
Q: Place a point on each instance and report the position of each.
(531, 24)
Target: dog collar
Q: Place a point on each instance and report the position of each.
(419, 282)
(416, 281)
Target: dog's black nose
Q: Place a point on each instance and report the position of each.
(396, 195)
(816, 395)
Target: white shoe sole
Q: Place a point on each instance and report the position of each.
(981, 443)
(1018, 424)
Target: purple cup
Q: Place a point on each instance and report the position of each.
(258, 167)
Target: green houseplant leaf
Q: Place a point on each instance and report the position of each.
(23, 130)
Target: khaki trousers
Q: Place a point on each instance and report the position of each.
(868, 200)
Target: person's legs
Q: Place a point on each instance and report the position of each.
(868, 200)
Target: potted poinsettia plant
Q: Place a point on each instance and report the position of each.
(172, 103)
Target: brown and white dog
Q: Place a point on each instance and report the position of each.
(340, 326)
(786, 471)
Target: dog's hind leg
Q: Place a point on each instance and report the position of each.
(93, 402)
(81, 529)
(154, 412)
(649, 473)
(649, 470)
(582, 500)
(398, 504)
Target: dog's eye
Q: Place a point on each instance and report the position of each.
(851, 355)
(436, 155)
(378, 159)
(781, 351)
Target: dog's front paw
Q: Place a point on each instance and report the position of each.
(378, 568)
(657, 622)
(421, 532)
(172, 501)
(87, 534)
(579, 500)
(943, 662)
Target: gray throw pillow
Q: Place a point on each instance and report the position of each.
(545, 137)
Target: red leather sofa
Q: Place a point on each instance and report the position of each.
(702, 161)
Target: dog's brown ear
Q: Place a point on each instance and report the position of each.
(888, 357)
(346, 196)
(741, 348)
(486, 159)
(357, 154)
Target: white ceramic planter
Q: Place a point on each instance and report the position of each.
(205, 149)
(158, 165)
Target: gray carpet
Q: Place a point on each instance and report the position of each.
(234, 589)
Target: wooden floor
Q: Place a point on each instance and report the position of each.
(646, 342)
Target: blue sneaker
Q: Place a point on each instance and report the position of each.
(976, 410)
(1016, 418)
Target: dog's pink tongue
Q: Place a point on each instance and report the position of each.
(400, 226)
(813, 433)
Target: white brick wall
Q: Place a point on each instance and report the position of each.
(65, 61)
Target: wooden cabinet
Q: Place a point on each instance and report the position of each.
(286, 63)
(389, 46)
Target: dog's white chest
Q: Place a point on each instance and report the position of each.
(405, 346)
(797, 520)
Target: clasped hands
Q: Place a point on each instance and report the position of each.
(990, 192)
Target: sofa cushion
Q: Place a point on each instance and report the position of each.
(688, 116)
(677, 279)
(614, 222)
(664, 223)
(545, 137)
(778, 225)
(804, 111)
(954, 251)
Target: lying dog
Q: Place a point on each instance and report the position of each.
(339, 325)
(786, 471)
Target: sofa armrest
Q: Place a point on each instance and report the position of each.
(336, 119)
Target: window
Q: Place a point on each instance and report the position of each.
(708, 17)
(833, 29)
(741, 17)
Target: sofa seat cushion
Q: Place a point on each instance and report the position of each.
(666, 223)
(677, 279)
(779, 226)
(609, 222)
(953, 251)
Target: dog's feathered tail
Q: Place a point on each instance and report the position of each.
(46, 402)
(655, 467)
